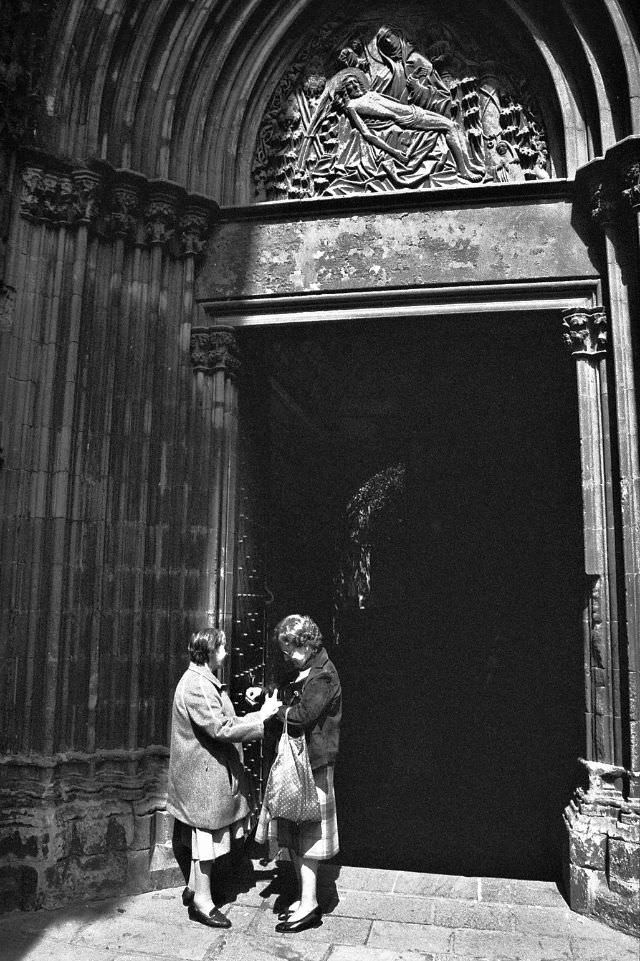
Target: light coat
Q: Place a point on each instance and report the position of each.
(208, 786)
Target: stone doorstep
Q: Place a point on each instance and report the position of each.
(381, 916)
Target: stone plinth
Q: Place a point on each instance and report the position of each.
(77, 827)
(603, 860)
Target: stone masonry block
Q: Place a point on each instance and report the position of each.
(86, 877)
(142, 832)
(579, 879)
(162, 827)
(589, 850)
(624, 866)
(19, 844)
(18, 886)
(85, 836)
(141, 878)
(616, 911)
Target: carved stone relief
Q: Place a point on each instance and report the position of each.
(584, 330)
(214, 348)
(375, 109)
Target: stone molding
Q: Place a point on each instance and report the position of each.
(584, 330)
(116, 204)
(214, 348)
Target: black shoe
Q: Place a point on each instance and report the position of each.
(187, 896)
(214, 919)
(311, 920)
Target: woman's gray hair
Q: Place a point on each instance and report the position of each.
(203, 643)
(298, 630)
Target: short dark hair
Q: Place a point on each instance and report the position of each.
(298, 630)
(203, 643)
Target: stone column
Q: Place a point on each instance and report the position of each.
(216, 361)
(585, 333)
(603, 819)
(631, 201)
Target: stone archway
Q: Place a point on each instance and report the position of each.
(114, 531)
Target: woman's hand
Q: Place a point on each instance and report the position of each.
(252, 695)
(271, 705)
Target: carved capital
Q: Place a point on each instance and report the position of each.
(7, 306)
(214, 348)
(87, 194)
(47, 196)
(124, 210)
(160, 217)
(30, 197)
(605, 205)
(194, 230)
(584, 330)
(631, 191)
(60, 198)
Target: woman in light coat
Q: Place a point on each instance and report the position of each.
(208, 790)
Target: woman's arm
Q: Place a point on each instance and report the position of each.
(204, 706)
(318, 693)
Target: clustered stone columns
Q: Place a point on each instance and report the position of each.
(216, 361)
(603, 819)
(101, 530)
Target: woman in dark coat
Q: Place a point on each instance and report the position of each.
(208, 790)
(313, 703)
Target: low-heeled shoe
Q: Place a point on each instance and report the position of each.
(310, 920)
(187, 896)
(214, 919)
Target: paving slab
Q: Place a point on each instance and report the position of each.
(465, 914)
(514, 891)
(244, 947)
(349, 953)
(420, 937)
(361, 879)
(436, 885)
(373, 905)
(619, 947)
(514, 947)
(333, 930)
(131, 934)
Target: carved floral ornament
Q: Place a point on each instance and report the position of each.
(585, 331)
(609, 187)
(214, 348)
(118, 204)
(376, 108)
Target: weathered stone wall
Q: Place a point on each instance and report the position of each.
(78, 827)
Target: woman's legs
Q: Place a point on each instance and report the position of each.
(200, 882)
(295, 861)
(307, 871)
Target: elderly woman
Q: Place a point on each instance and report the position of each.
(313, 704)
(208, 790)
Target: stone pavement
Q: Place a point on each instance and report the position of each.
(371, 915)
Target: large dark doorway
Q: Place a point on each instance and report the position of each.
(462, 675)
